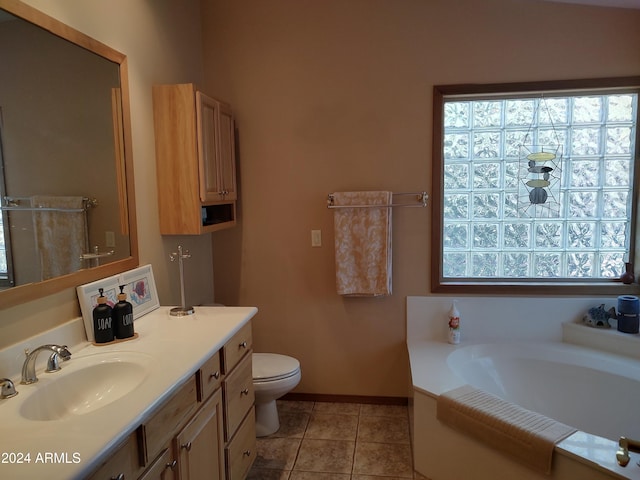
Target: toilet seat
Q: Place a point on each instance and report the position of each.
(269, 367)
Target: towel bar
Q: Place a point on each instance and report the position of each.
(421, 201)
(14, 204)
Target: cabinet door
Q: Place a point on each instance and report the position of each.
(227, 152)
(210, 181)
(199, 444)
(123, 463)
(163, 468)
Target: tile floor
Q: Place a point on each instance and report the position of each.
(336, 441)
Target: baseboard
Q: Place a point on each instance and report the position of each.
(321, 397)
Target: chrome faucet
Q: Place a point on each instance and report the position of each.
(8, 388)
(53, 364)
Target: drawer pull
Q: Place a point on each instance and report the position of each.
(172, 465)
(215, 375)
(242, 345)
(247, 453)
(187, 446)
(119, 477)
(245, 392)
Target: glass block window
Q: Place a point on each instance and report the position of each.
(491, 231)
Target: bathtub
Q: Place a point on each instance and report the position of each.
(598, 393)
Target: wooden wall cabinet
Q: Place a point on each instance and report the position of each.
(205, 430)
(195, 160)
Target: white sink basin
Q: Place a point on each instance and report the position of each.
(85, 384)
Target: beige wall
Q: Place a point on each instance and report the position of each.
(162, 41)
(329, 95)
(337, 95)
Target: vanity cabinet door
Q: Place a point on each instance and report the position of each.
(199, 444)
(163, 468)
(122, 464)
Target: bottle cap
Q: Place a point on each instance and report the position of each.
(101, 299)
(122, 295)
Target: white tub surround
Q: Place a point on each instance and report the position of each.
(508, 336)
(607, 340)
(175, 347)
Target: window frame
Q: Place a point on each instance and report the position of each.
(546, 286)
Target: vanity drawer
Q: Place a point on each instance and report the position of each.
(210, 377)
(241, 451)
(158, 430)
(236, 347)
(123, 462)
(238, 396)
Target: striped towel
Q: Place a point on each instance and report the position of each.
(524, 435)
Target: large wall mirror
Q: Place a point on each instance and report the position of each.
(66, 180)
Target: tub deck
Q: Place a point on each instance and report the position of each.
(441, 453)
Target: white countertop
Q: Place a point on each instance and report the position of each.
(73, 447)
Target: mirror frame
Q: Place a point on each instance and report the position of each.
(24, 293)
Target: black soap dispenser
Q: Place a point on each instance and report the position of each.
(123, 316)
(102, 320)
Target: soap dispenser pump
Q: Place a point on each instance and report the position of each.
(102, 320)
(123, 316)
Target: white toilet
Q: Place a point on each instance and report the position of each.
(273, 376)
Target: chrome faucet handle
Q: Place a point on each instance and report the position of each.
(8, 389)
(626, 445)
(53, 364)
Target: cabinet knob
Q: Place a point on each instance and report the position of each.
(247, 453)
(242, 345)
(172, 465)
(245, 392)
(119, 477)
(215, 375)
(187, 446)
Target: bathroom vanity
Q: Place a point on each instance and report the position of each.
(176, 402)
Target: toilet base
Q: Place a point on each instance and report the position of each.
(267, 421)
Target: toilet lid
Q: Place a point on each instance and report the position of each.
(272, 366)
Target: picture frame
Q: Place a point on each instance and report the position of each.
(88, 297)
(140, 287)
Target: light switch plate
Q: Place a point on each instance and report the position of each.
(316, 238)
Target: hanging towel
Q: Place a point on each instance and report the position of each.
(61, 236)
(363, 243)
(526, 436)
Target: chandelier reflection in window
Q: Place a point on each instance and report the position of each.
(540, 171)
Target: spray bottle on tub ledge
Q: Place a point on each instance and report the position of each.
(454, 324)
